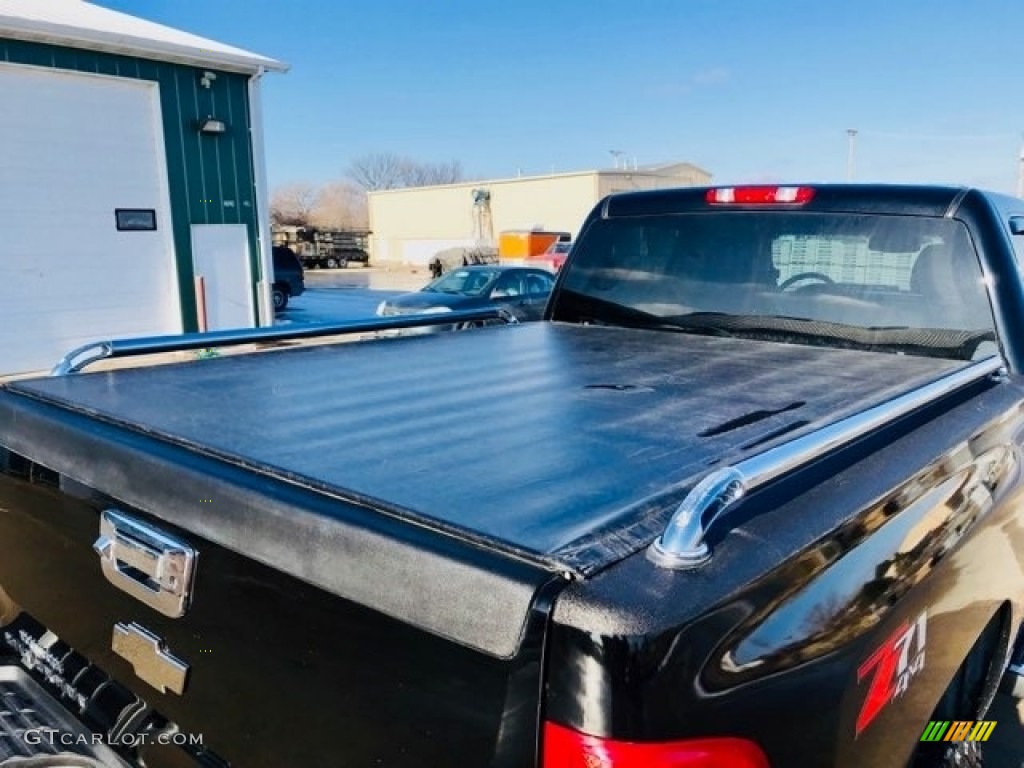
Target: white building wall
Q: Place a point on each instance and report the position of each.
(412, 225)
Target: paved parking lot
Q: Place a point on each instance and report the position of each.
(334, 295)
(1006, 746)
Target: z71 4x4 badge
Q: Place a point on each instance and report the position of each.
(891, 669)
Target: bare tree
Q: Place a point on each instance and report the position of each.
(340, 205)
(293, 203)
(380, 170)
(385, 170)
(427, 174)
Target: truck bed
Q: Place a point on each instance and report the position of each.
(547, 440)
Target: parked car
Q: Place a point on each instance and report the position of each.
(522, 291)
(288, 277)
(554, 257)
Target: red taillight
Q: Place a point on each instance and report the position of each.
(759, 195)
(566, 748)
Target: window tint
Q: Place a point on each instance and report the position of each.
(844, 260)
(509, 284)
(539, 284)
(471, 282)
(869, 272)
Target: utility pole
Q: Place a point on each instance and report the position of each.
(616, 153)
(851, 139)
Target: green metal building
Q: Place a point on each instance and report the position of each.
(133, 197)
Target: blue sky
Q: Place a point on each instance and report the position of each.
(750, 90)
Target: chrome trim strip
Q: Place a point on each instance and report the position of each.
(105, 350)
(683, 545)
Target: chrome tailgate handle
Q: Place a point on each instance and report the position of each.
(149, 565)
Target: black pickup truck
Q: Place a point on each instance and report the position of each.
(749, 496)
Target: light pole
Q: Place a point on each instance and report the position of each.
(616, 153)
(851, 140)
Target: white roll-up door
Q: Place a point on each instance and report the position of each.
(74, 149)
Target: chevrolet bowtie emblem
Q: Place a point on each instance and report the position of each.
(149, 657)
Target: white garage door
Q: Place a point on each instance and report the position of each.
(73, 148)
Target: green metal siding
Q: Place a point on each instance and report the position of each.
(210, 178)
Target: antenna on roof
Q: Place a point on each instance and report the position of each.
(851, 150)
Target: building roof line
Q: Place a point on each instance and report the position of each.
(78, 24)
(640, 171)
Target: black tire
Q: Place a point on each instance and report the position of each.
(331, 263)
(280, 299)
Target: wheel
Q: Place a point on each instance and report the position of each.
(332, 263)
(280, 299)
(799, 278)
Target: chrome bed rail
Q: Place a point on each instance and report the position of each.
(683, 542)
(78, 359)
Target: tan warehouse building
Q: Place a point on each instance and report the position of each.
(412, 225)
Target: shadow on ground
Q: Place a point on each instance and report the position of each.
(1005, 748)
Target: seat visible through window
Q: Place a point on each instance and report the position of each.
(948, 278)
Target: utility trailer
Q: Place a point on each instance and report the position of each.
(325, 248)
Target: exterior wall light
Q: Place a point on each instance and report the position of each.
(211, 126)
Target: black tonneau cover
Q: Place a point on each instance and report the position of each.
(544, 439)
